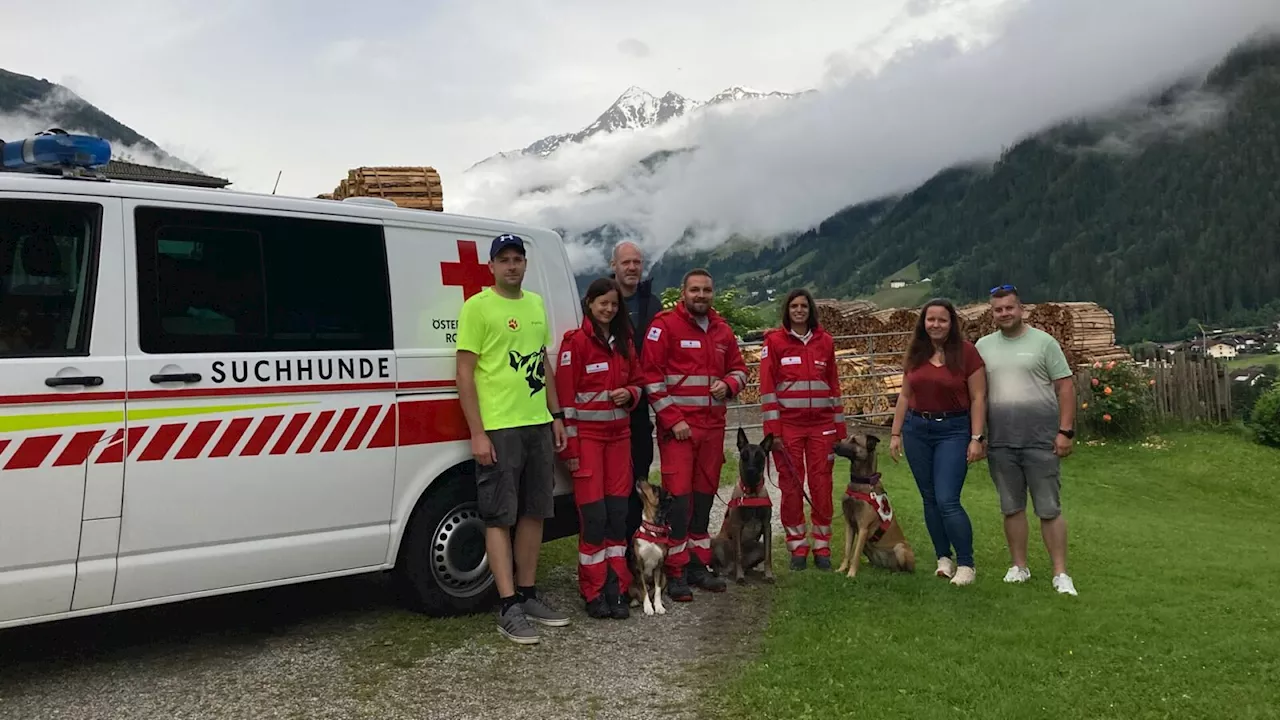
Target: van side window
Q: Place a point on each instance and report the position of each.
(48, 264)
(235, 282)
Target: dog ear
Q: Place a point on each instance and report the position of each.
(872, 441)
(742, 440)
(767, 443)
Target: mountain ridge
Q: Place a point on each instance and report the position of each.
(29, 105)
(638, 109)
(1166, 215)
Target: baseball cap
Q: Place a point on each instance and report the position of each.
(505, 241)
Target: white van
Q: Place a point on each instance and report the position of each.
(205, 391)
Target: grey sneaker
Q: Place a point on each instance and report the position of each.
(537, 610)
(515, 626)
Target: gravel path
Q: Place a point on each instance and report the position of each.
(345, 649)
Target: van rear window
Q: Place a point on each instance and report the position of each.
(48, 255)
(237, 282)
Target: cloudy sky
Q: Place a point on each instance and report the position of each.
(245, 88)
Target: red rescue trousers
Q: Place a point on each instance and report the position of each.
(690, 468)
(810, 450)
(601, 490)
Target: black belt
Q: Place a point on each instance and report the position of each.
(938, 415)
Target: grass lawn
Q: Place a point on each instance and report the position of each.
(1173, 547)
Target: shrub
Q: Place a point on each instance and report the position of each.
(1119, 402)
(1264, 419)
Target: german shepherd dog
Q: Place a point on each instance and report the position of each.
(745, 538)
(869, 524)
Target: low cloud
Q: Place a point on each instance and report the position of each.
(52, 110)
(634, 48)
(883, 123)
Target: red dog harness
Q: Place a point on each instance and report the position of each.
(750, 500)
(879, 501)
(652, 533)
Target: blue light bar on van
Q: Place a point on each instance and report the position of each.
(56, 149)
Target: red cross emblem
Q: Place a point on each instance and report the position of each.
(468, 273)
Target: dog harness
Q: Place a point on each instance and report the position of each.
(652, 533)
(879, 501)
(750, 500)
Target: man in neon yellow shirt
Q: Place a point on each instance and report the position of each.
(508, 395)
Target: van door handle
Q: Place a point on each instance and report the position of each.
(86, 380)
(176, 377)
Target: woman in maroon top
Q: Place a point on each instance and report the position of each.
(939, 420)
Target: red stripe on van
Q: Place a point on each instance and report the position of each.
(32, 452)
(77, 451)
(160, 443)
(231, 436)
(339, 430)
(432, 421)
(122, 444)
(259, 439)
(385, 435)
(290, 433)
(366, 422)
(317, 432)
(198, 439)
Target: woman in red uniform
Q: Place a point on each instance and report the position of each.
(598, 384)
(800, 400)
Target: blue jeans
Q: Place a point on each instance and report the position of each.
(937, 451)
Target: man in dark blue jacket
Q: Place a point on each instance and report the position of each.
(642, 305)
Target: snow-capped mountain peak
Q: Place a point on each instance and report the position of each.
(637, 109)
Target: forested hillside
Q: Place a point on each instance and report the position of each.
(1166, 216)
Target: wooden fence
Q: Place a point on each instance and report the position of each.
(1186, 389)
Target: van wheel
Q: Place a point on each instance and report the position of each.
(443, 565)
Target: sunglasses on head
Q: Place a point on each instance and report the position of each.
(1008, 288)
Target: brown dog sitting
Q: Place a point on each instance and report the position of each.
(746, 534)
(869, 525)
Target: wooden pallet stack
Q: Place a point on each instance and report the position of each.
(417, 188)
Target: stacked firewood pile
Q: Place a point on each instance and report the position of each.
(870, 366)
(417, 188)
(1085, 330)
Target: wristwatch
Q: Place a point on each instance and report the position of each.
(558, 415)
(1068, 434)
(977, 438)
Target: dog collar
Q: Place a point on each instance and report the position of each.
(873, 479)
(651, 531)
(750, 500)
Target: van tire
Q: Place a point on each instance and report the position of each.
(442, 567)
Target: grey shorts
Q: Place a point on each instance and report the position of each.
(522, 482)
(1017, 470)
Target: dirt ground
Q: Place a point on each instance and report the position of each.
(346, 649)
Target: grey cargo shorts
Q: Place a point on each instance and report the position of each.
(522, 482)
(1017, 470)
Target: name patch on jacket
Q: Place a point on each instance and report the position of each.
(792, 360)
(597, 367)
(690, 343)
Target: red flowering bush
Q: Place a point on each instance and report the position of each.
(1119, 402)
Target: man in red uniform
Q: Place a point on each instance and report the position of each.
(691, 367)
(800, 403)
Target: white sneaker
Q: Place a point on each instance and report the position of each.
(1017, 575)
(964, 576)
(1062, 583)
(946, 567)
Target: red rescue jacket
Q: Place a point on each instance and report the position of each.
(587, 372)
(681, 360)
(800, 382)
